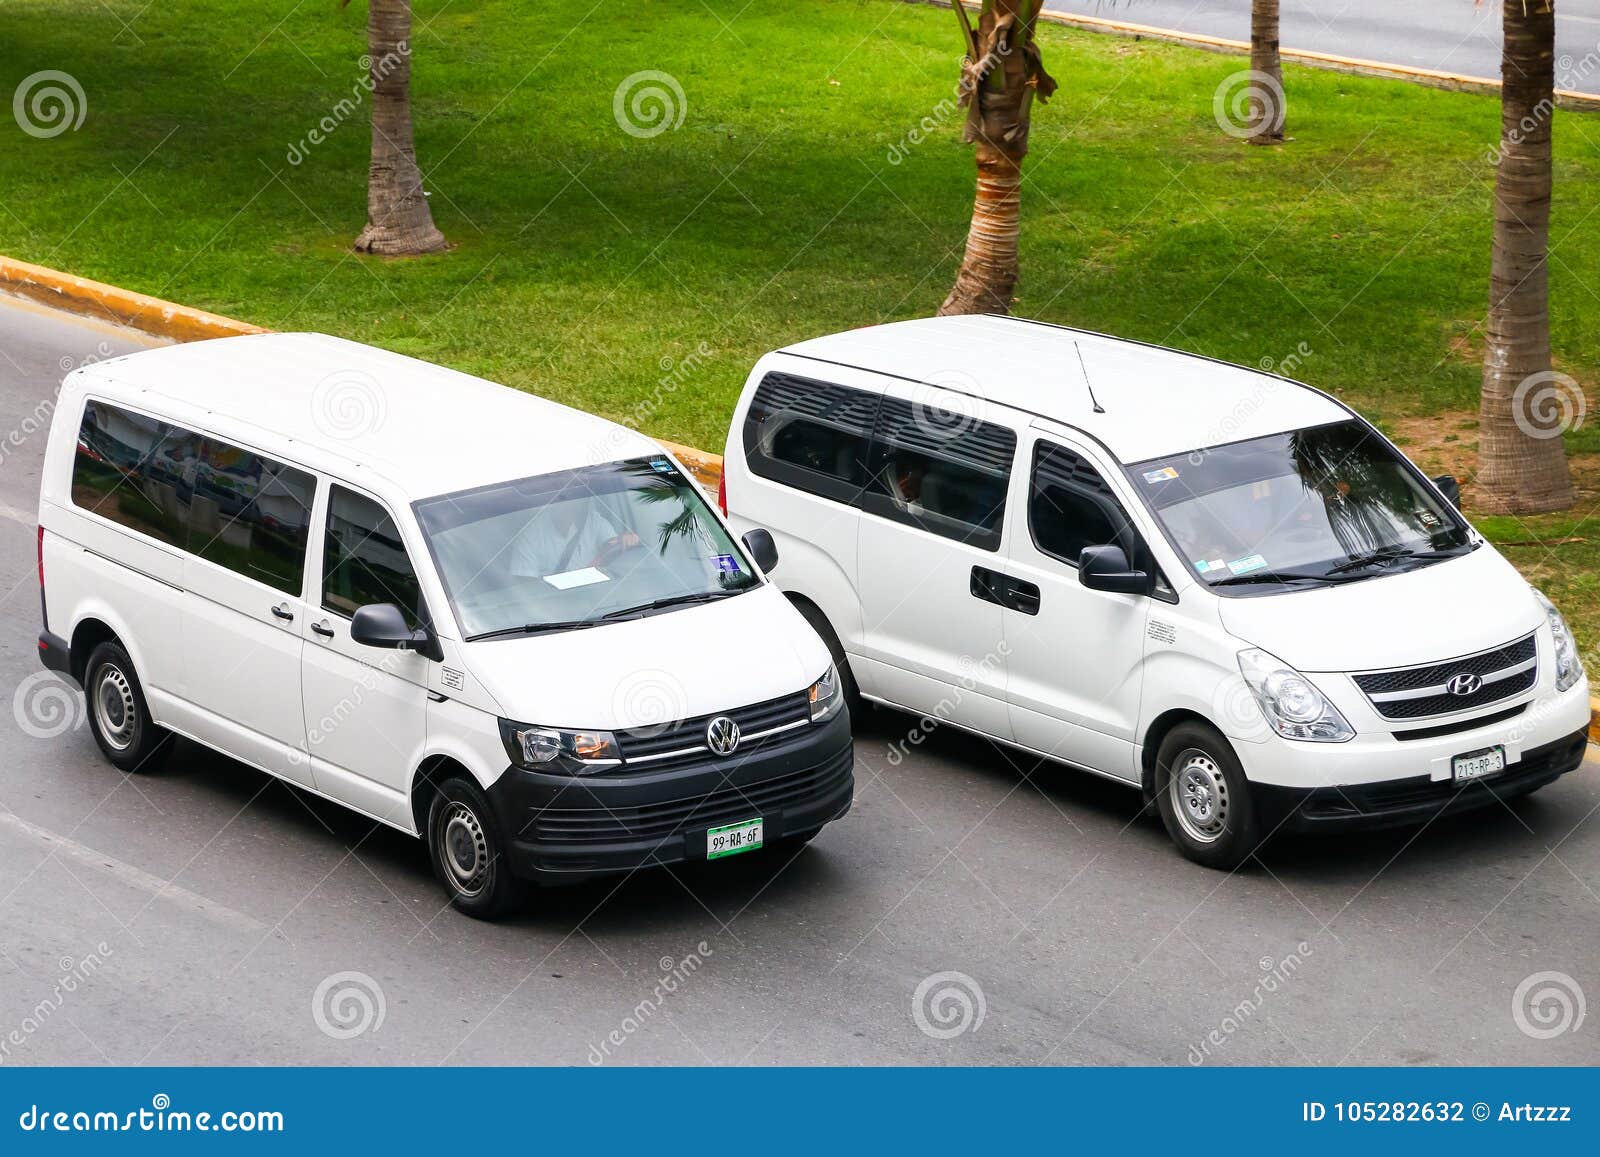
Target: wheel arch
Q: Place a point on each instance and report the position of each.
(1160, 727)
(425, 781)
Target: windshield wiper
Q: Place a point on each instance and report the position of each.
(1389, 554)
(535, 629)
(1274, 576)
(671, 601)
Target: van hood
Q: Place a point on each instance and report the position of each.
(1439, 611)
(674, 665)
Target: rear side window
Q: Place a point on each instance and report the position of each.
(1071, 507)
(251, 514)
(364, 560)
(814, 436)
(941, 471)
(135, 470)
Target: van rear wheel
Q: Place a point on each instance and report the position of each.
(1204, 798)
(119, 719)
(468, 853)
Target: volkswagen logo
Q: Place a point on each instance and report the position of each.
(1465, 683)
(722, 735)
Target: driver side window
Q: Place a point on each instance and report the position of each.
(1071, 507)
(364, 560)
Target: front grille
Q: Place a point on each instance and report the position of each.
(674, 744)
(725, 805)
(1419, 692)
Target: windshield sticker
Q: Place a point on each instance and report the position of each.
(726, 563)
(1427, 518)
(661, 465)
(1165, 474)
(567, 579)
(1248, 563)
(1206, 566)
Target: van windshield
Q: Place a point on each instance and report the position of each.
(579, 548)
(1331, 503)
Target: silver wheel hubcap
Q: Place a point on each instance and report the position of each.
(114, 709)
(464, 850)
(1199, 796)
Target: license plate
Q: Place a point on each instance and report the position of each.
(1477, 764)
(731, 839)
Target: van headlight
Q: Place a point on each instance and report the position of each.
(1290, 701)
(550, 749)
(825, 696)
(1569, 664)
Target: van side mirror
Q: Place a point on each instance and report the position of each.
(761, 547)
(1450, 488)
(1105, 568)
(383, 625)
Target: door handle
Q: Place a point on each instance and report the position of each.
(1012, 593)
(322, 629)
(283, 612)
(1024, 597)
(988, 585)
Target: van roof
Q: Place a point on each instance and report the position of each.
(1156, 401)
(430, 429)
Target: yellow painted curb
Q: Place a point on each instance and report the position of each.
(183, 323)
(1594, 720)
(95, 298)
(1350, 64)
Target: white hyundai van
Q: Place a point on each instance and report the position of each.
(513, 629)
(1217, 585)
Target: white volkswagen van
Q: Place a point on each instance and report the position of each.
(513, 629)
(1217, 585)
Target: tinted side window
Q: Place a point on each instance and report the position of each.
(1071, 507)
(251, 514)
(364, 561)
(811, 435)
(136, 471)
(941, 471)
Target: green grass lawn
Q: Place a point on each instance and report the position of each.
(590, 264)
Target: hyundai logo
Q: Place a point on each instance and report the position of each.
(722, 735)
(1465, 683)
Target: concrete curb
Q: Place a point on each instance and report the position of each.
(108, 302)
(181, 323)
(1355, 66)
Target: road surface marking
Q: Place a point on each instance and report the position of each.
(130, 875)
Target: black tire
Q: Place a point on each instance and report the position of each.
(468, 852)
(119, 718)
(1204, 798)
(847, 681)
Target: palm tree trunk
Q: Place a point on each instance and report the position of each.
(1267, 113)
(1522, 465)
(999, 77)
(399, 222)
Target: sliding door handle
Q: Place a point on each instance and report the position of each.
(283, 612)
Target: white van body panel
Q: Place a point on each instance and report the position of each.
(818, 546)
(694, 655)
(1091, 685)
(296, 697)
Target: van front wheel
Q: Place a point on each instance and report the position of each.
(118, 717)
(1204, 798)
(467, 852)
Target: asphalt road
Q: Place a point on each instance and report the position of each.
(198, 911)
(1460, 36)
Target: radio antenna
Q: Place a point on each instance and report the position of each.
(1087, 384)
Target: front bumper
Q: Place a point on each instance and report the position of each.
(1415, 799)
(565, 828)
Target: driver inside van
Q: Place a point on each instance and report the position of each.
(567, 536)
